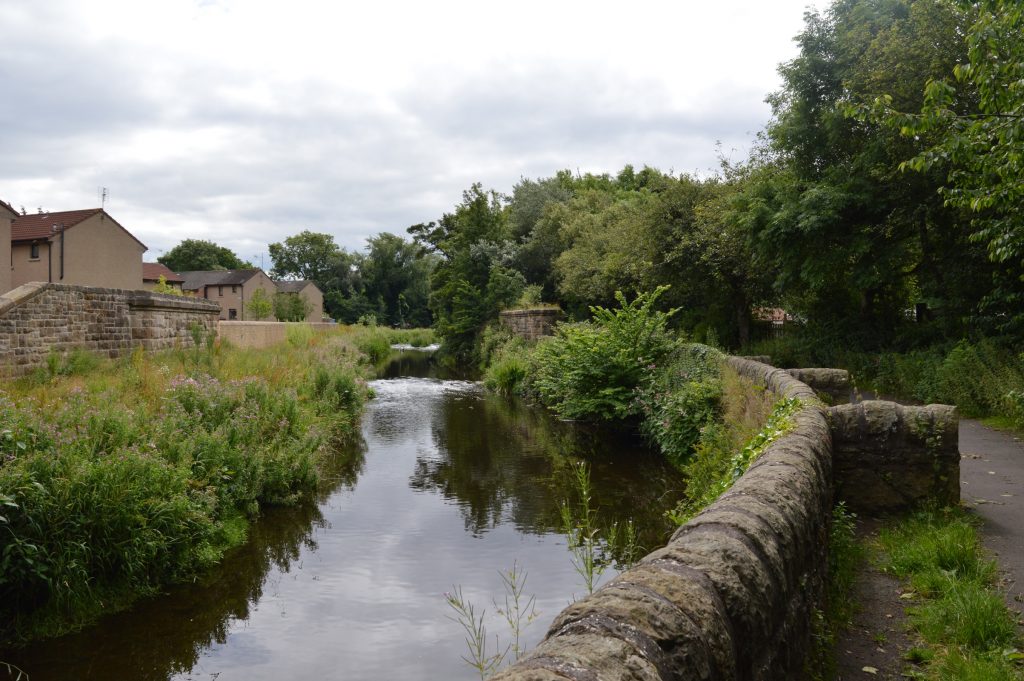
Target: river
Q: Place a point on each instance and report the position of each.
(450, 486)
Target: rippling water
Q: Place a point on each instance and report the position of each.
(452, 487)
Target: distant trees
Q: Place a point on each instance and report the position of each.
(198, 254)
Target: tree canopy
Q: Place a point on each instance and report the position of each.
(198, 254)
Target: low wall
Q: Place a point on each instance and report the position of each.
(733, 594)
(252, 334)
(38, 318)
(891, 457)
(532, 324)
(835, 383)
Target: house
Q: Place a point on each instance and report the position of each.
(233, 289)
(83, 247)
(310, 293)
(151, 273)
(7, 215)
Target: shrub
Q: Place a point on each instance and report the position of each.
(590, 370)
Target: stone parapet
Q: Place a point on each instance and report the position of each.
(733, 594)
(891, 457)
(532, 323)
(39, 318)
(835, 383)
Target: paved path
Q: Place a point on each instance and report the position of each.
(992, 485)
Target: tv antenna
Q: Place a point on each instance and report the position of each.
(103, 197)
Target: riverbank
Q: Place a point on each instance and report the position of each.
(120, 477)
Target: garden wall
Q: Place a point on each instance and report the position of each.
(733, 594)
(38, 318)
(252, 334)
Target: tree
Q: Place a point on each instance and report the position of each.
(851, 240)
(260, 305)
(307, 255)
(474, 277)
(396, 280)
(290, 307)
(976, 126)
(197, 254)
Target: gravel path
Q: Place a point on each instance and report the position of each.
(992, 485)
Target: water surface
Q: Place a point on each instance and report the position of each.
(449, 487)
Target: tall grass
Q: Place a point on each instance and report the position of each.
(960, 612)
(144, 470)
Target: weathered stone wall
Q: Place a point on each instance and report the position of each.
(38, 318)
(253, 334)
(533, 323)
(732, 595)
(835, 383)
(891, 457)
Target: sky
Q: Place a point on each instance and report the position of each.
(247, 121)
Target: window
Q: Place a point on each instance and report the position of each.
(34, 251)
(232, 313)
(234, 289)
(220, 290)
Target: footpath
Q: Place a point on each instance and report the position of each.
(992, 487)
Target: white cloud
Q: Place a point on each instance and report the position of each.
(247, 121)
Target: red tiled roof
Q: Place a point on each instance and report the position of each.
(40, 225)
(152, 271)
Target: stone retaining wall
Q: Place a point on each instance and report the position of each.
(733, 594)
(890, 457)
(533, 323)
(38, 318)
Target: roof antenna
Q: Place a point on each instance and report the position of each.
(103, 198)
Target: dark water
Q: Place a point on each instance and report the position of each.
(450, 487)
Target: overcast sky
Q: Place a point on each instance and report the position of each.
(246, 121)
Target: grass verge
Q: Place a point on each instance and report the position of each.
(966, 630)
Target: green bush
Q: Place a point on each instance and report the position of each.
(681, 399)
(590, 370)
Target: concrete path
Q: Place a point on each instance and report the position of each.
(992, 485)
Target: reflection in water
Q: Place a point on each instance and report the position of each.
(456, 485)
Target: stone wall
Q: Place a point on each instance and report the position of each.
(835, 383)
(733, 594)
(253, 334)
(38, 318)
(890, 457)
(533, 323)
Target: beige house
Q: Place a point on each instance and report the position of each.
(309, 292)
(84, 247)
(151, 273)
(233, 289)
(7, 215)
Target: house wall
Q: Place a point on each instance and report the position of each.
(97, 252)
(260, 281)
(5, 249)
(315, 301)
(24, 269)
(39, 318)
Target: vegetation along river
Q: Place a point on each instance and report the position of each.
(451, 487)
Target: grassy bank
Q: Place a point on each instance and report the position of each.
(118, 477)
(983, 378)
(966, 631)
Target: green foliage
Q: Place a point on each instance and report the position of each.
(306, 255)
(197, 254)
(162, 286)
(260, 305)
(290, 307)
(681, 399)
(715, 466)
(591, 369)
(961, 613)
(107, 493)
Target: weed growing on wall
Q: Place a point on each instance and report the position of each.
(715, 466)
